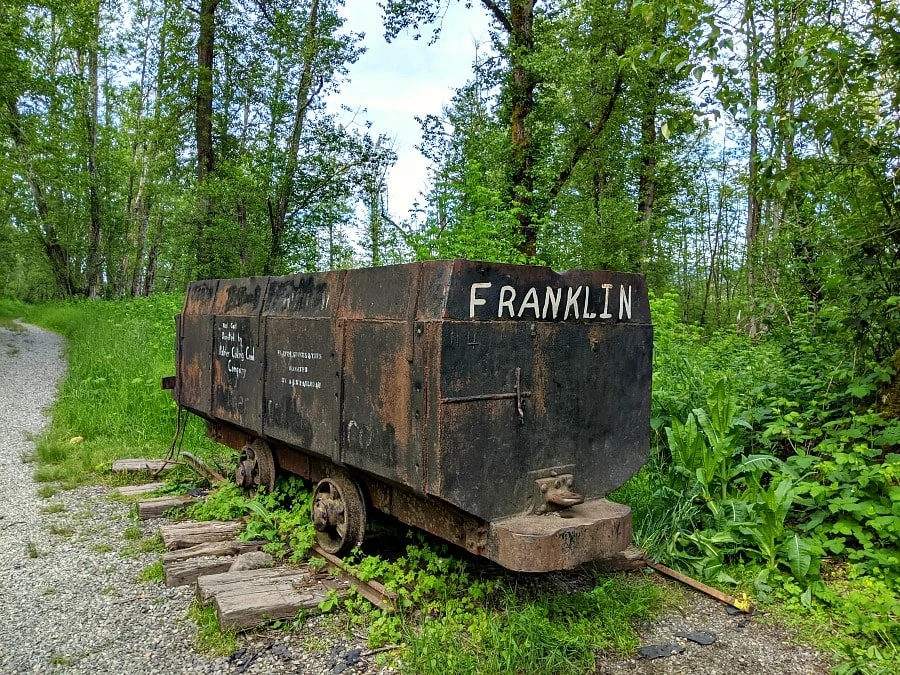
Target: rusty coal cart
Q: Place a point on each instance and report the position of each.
(492, 405)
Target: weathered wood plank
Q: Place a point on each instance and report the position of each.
(157, 506)
(371, 590)
(236, 583)
(134, 465)
(184, 535)
(201, 467)
(136, 490)
(249, 610)
(184, 572)
(213, 548)
(244, 600)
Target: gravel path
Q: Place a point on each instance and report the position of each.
(71, 600)
(70, 597)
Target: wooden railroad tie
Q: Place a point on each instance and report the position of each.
(156, 507)
(138, 465)
(138, 490)
(244, 600)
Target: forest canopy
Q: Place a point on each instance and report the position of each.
(741, 154)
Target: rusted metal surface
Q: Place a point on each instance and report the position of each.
(453, 391)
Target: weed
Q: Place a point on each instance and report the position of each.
(153, 573)
(49, 590)
(55, 507)
(62, 660)
(28, 458)
(31, 549)
(47, 491)
(102, 548)
(12, 350)
(61, 530)
(211, 639)
(132, 533)
(49, 474)
(152, 544)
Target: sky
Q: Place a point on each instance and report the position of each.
(392, 83)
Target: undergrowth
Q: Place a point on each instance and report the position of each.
(780, 462)
(452, 620)
(111, 405)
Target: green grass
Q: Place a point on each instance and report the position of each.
(61, 530)
(53, 508)
(110, 405)
(546, 634)
(153, 573)
(31, 549)
(10, 310)
(141, 545)
(211, 639)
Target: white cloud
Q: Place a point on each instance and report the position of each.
(397, 82)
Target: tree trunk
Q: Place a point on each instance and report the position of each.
(647, 179)
(278, 215)
(152, 258)
(203, 131)
(754, 218)
(521, 41)
(92, 276)
(56, 253)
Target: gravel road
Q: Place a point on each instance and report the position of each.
(71, 600)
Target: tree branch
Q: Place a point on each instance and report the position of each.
(499, 14)
(588, 140)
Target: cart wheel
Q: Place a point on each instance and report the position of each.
(256, 467)
(339, 514)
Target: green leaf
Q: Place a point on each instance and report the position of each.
(798, 554)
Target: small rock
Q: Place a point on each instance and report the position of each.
(659, 651)
(251, 561)
(703, 637)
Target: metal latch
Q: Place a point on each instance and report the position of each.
(556, 493)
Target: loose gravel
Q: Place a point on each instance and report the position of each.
(71, 599)
(70, 595)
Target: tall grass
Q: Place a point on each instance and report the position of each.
(9, 310)
(111, 405)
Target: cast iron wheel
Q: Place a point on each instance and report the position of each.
(339, 514)
(256, 467)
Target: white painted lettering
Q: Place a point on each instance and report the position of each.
(506, 301)
(606, 314)
(587, 295)
(624, 305)
(572, 302)
(552, 297)
(531, 300)
(474, 300)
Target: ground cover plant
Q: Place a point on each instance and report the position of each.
(780, 474)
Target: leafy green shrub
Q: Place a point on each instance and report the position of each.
(281, 517)
(452, 621)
